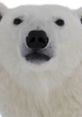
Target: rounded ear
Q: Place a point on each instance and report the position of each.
(3, 10)
(78, 12)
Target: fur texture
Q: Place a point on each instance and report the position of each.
(53, 88)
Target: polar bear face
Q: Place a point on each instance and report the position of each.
(40, 42)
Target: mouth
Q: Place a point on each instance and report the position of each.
(36, 57)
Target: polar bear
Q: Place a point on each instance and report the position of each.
(40, 62)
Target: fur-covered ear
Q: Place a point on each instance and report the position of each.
(78, 12)
(3, 10)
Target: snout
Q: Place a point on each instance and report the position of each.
(37, 50)
(37, 39)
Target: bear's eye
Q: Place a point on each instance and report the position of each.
(0, 17)
(81, 20)
(17, 21)
(60, 22)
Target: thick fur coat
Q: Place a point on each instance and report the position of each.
(45, 89)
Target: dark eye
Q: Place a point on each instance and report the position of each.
(17, 21)
(0, 17)
(60, 22)
(81, 20)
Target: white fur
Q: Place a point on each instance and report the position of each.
(51, 89)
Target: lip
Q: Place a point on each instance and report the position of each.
(37, 57)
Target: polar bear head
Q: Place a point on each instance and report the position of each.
(40, 42)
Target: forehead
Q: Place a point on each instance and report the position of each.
(40, 11)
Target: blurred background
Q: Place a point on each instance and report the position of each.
(69, 3)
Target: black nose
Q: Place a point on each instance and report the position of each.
(37, 39)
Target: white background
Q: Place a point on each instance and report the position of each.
(69, 3)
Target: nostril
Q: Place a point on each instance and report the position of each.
(32, 40)
(41, 40)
